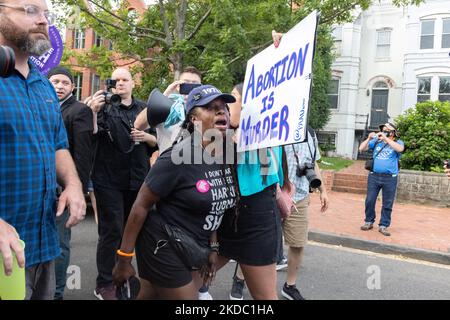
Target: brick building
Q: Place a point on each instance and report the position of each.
(87, 82)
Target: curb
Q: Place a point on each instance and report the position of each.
(379, 247)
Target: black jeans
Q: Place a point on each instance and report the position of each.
(113, 208)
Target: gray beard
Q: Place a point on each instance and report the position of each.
(38, 47)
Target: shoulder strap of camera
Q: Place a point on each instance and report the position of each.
(309, 147)
(296, 155)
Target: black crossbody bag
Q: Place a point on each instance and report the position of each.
(193, 255)
(369, 162)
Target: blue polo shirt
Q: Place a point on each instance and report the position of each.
(386, 160)
(31, 131)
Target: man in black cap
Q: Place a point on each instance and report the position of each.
(386, 149)
(79, 127)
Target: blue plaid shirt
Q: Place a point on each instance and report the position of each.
(304, 156)
(31, 131)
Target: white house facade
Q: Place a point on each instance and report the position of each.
(387, 60)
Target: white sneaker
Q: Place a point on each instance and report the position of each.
(282, 264)
(204, 296)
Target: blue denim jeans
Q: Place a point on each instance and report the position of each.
(62, 262)
(388, 186)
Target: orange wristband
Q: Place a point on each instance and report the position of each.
(123, 254)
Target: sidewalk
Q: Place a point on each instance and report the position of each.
(417, 231)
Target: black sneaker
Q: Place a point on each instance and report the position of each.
(236, 289)
(291, 292)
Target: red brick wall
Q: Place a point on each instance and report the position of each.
(137, 5)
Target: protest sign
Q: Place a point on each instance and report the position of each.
(276, 91)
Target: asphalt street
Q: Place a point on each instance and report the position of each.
(328, 273)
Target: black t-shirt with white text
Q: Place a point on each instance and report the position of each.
(193, 196)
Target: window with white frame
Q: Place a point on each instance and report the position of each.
(445, 33)
(79, 39)
(383, 43)
(95, 84)
(98, 40)
(333, 93)
(444, 89)
(78, 81)
(427, 34)
(337, 40)
(424, 89)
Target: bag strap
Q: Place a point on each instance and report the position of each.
(378, 151)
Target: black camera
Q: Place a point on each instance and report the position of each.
(307, 170)
(7, 61)
(111, 98)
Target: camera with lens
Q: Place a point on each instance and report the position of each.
(7, 61)
(111, 98)
(308, 171)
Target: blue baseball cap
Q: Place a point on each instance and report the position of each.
(203, 95)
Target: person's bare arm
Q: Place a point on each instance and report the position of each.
(72, 196)
(153, 158)
(142, 136)
(141, 122)
(174, 87)
(96, 103)
(322, 189)
(394, 145)
(235, 114)
(365, 144)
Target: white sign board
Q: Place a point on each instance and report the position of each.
(275, 97)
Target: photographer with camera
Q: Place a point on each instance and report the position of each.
(386, 149)
(120, 167)
(34, 147)
(304, 173)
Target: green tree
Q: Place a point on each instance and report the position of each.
(217, 36)
(425, 130)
